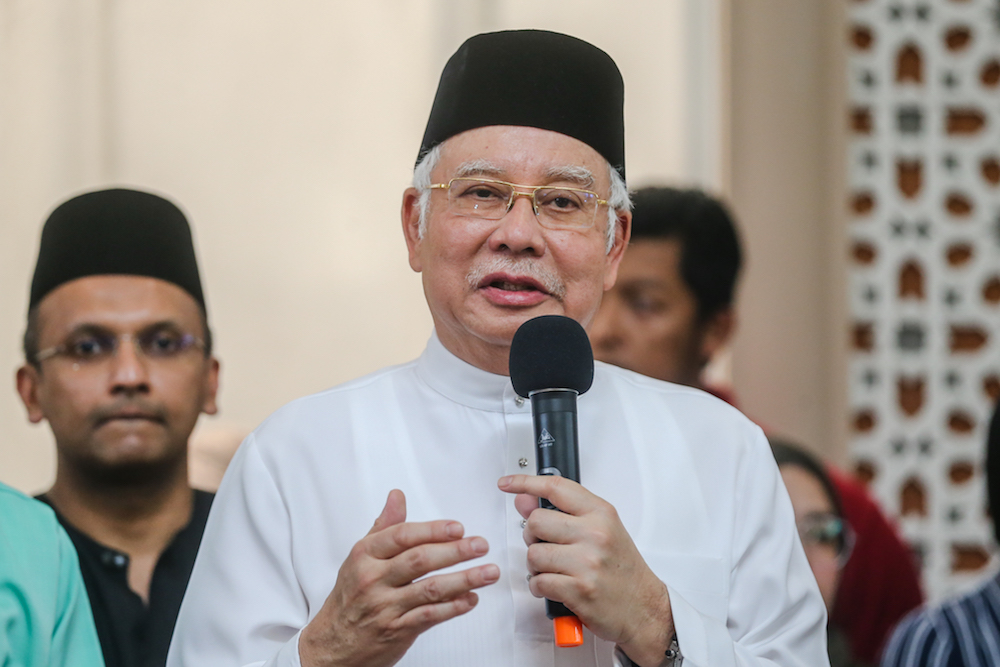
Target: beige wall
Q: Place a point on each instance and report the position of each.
(787, 95)
(287, 131)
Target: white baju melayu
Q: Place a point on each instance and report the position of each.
(692, 479)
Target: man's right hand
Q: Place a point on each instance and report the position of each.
(376, 609)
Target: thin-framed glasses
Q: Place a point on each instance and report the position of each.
(555, 207)
(828, 531)
(94, 346)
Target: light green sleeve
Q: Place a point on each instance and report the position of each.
(45, 618)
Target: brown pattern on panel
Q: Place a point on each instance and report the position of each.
(909, 177)
(864, 421)
(862, 37)
(990, 167)
(989, 75)
(961, 472)
(958, 205)
(965, 121)
(959, 254)
(863, 336)
(911, 281)
(991, 290)
(909, 65)
(913, 498)
(991, 387)
(910, 394)
(957, 37)
(861, 120)
(862, 203)
(863, 252)
(967, 338)
(865, 471)
(961, 422)
(968, 557)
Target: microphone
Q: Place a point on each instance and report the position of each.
(551, 363)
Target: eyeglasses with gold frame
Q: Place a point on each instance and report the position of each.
(556, 207)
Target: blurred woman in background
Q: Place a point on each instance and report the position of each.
(826, 536)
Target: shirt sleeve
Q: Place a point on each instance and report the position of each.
(242, 605)
(74, 638)
(775, 616)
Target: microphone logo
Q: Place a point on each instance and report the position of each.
(546, 439)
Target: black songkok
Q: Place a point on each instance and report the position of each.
(532, 78)
(116, 232)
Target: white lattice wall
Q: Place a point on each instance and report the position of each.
(924, 175)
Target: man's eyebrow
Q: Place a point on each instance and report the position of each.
(479, 168)
(89, 329)
(573, 174)
(94, 329)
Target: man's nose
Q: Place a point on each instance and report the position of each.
(129, 369)
(519, 230)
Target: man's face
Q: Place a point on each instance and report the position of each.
(130, 412)
(484, 278)
(648, 322)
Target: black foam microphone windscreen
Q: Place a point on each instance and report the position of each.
(551, 352)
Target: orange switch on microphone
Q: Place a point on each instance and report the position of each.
(568, 630)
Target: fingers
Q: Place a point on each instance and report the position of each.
(551, 558)
(425, 617)
(525, 504)
(395, 539)
(446, 587)
(393, 513)
(564, 493)
(557, 527)
(556, 587)
(426, 558)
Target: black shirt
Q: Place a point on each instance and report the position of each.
(132, 633)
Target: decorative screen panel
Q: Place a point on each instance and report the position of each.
(924, 179)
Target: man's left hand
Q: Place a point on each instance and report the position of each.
(584, 558)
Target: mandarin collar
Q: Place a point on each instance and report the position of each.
(462, 382)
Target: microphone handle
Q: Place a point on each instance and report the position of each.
(553, 412)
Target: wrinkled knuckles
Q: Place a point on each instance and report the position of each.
(588, 588)
(403, 537)
(431, 591)
(417, 560)
(367, 580)
(359, 552)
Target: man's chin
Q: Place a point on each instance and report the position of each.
(128, 466)
(500, 328)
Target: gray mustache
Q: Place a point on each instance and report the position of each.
(521, 267)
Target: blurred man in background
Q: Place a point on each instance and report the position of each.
(118, 361)
(671, 311)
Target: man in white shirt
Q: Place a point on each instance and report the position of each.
(681, 534)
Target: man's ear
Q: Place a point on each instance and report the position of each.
(410, 215)
(623, 232)
(210, 406)
(27, 380)
(717, 332)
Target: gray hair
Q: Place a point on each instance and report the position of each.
(618, 201)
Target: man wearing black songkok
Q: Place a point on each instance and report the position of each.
(118, 361)
(680, 537)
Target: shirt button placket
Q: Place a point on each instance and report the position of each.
(520, 456)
